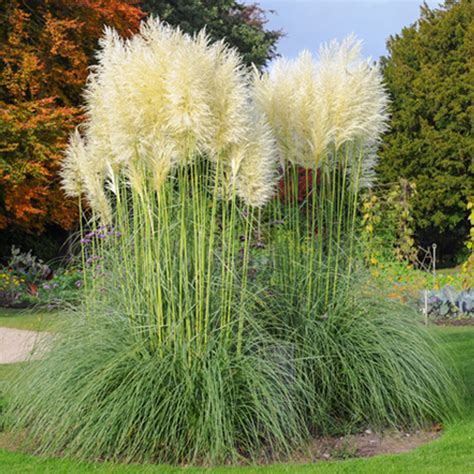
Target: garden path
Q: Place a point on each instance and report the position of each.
(16, 345)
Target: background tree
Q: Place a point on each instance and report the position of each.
(46, 48)
(242, 25)
(428, 72)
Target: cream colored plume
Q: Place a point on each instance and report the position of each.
(316, 107)
(255, 166)
(83, 171)
(354, 90)
(228, 101)
(72, 166)
(157, 100)
(273, 95)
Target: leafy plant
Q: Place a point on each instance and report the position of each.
(387, 223)
(449, 303)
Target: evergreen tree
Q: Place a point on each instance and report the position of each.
(429, 74)
(241, 25)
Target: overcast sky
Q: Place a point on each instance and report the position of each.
(307, 23)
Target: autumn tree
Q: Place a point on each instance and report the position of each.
(46, 48)
(429, 74)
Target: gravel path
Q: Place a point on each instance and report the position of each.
(16, 344)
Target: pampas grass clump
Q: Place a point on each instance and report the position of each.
(103, 393)
(185, 351)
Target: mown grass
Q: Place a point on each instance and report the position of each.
(29, 319)
(452, 453)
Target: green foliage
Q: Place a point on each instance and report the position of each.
(27, 281)
(387, 223)
(191, 347)
(242, 25)
(369, 359)
(101, 392)
(452, 453)
(428, 73)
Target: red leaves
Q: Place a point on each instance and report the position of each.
(305, 179)
(44, 64)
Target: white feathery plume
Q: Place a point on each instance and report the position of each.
(143, 86)
(314, 130)
(273, 95)
(256, 166)
(187, 110)
(228, 101)
(160, 157)
(83, 171)
(161, 97)
(71, 166)
(94, 173)
(103, 101)
(314, 108)
(354, 91)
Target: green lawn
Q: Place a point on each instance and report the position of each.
(452, 453)
(29, 319)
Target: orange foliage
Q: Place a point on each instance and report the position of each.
(46, 47)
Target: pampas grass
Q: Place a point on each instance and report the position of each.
(185, 350)
(172, 158)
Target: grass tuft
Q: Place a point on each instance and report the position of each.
(100, 393)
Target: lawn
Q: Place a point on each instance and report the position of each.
(29, 319)
(452, 453)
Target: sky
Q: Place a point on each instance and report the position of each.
(308, 23)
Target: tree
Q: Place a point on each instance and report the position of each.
(428, 73)
(46, 48)
(241, 25)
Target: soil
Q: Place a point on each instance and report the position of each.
(322, 449)
(369, 444)
(455, 322)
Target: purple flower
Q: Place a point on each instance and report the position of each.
(46, 286)
(85, 241)
(118, 234)
(91, 259)
(90, 234)
(78, 283)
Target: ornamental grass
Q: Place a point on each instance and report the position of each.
(224, 317)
